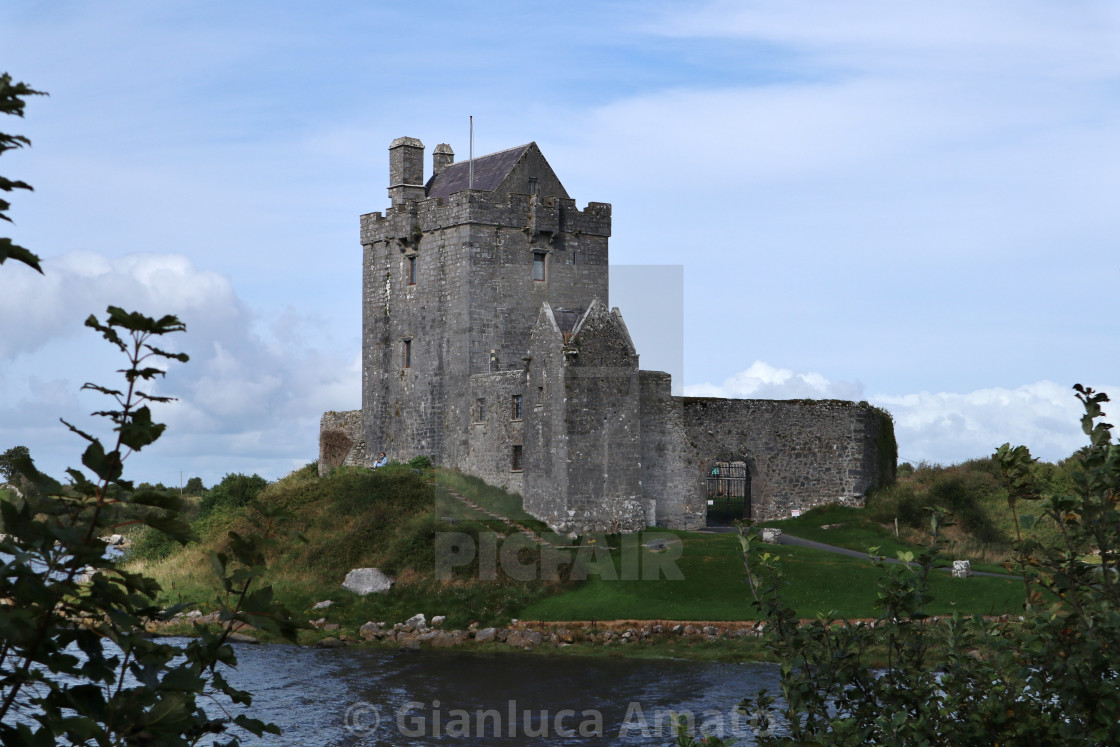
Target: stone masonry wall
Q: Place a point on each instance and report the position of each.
(494, 430)
(603, 427)
(474, 293)
(667, 460)
(340, 440)
(800, 453)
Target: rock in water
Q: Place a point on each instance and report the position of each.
(367, 581)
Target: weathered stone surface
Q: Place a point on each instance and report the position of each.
(962, 569)
(486, 634)
(416, 622)
(367, 581)
(771, 536)
(322, 605)
(489, 345)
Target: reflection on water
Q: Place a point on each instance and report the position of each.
(375, 697)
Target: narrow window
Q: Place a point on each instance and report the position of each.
(406, 353)
(412, 270)
(515, 411)
(540, 395)
(538, 266)
(516, 466)
(534, 186)
(480, 409)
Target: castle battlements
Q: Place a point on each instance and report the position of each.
(525, 212)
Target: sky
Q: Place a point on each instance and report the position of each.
(909, 203)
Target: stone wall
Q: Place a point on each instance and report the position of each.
(340, 440)
(474, 293)
(799, 453)
(494, 430)
(667, 461)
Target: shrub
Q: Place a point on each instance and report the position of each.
(233, 491)
(420, 462)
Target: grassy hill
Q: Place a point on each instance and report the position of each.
(390, 518)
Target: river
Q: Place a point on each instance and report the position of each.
(368, 697)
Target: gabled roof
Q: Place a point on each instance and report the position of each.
(489, 171)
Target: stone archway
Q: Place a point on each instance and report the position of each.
(728, 485)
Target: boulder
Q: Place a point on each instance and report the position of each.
(416, 622)
(772, 536)
(486, 634)
(962, 569)
(364, 581)
(438, 620)
(322, 605)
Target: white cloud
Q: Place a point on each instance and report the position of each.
(763, 381)
(939, 427)
(249, 399)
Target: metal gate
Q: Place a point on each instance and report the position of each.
(729, 493)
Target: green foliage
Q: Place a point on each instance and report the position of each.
(887, 449)
(65, 592)
(420, 462)
(12, 102)
(964, 490)
(76, 664)
(234, 491)
(1048, 680)
(194, 486)
(8, 461)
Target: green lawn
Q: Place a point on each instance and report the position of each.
(850, 528)
(713, 588)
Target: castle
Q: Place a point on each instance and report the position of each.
(489, 345)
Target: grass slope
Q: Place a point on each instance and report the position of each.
(389, 518)
(713, 588)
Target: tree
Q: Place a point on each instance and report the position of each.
(76, 665)
(1050, 679)
(8, 461)
(12, 102)
(194, 486)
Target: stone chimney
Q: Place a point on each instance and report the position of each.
(442, 157)
(406, 170)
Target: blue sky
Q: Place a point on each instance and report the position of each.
(908, 203)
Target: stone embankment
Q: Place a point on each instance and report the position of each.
(416, 633)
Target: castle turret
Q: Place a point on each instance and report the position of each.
(442, 157)
(406, 170)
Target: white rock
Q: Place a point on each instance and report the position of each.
(962, 569)
(367, 581)
(416, 622)
(772, 536)
(323, 605)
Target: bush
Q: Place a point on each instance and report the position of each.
(233, 491)
(151, 545)
(420, 462)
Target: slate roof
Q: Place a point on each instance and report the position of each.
(489, 171)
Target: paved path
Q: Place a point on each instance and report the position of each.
(788, 539)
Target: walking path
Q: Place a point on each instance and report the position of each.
(787, 539)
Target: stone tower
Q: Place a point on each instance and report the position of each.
(454, 274)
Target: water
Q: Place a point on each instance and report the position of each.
(344, 697)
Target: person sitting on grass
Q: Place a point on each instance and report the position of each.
(381, 461)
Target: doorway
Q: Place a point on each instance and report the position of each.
(729, 492)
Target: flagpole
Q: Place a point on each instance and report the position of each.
(470, 180)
